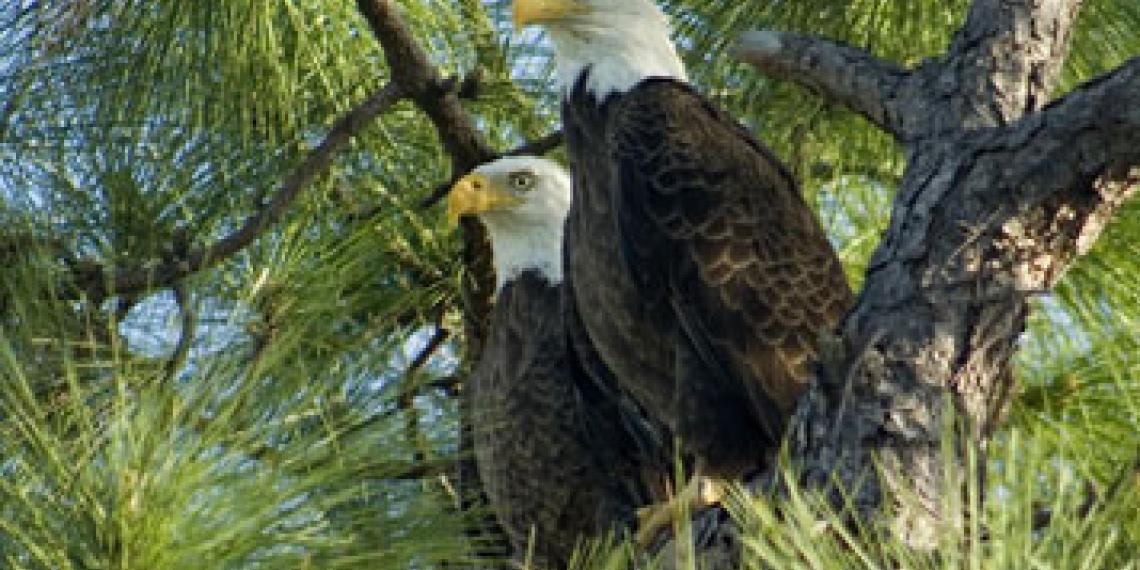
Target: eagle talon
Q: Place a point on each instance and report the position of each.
(699, 493)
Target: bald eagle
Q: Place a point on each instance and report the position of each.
(701, 276)
(560, 456)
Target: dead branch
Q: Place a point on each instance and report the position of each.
(839, 73)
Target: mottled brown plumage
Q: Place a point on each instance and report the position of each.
(701, 275)
(549, 448)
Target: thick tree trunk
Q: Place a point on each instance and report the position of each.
(1001, 193)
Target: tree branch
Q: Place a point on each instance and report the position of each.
(1002, 63)
(437, 97)
(189, 322)
(843, 74)
(1080, 157)
(449, 385)
(92, 280)
(407, 397)
(412, 69)
(538, 146)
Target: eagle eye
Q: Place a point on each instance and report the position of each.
(522, 180)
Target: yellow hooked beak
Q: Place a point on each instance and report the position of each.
(538, 11)
(474, 194)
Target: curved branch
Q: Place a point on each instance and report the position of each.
(91, 278)
(436, 96)
(844, 74)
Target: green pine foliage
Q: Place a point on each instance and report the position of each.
(1035, 511)
(273, 411)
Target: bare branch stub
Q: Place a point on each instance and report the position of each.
(1001, 64)
(840, 73)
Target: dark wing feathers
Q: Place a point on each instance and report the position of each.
(634, 438)
(708, 214)
(554, 448)
(537, 469)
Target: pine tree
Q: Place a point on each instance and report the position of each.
(234, 328)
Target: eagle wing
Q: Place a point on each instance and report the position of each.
(710, 222)
(555, 449)
(523, 412)
(631, 444)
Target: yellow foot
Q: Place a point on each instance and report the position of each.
(699, 493)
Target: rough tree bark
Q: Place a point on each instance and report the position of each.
(1002, 191)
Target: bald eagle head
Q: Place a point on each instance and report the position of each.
(621, 42)
(522, 201)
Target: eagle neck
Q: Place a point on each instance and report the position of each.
(615, 57)
(519, 247)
